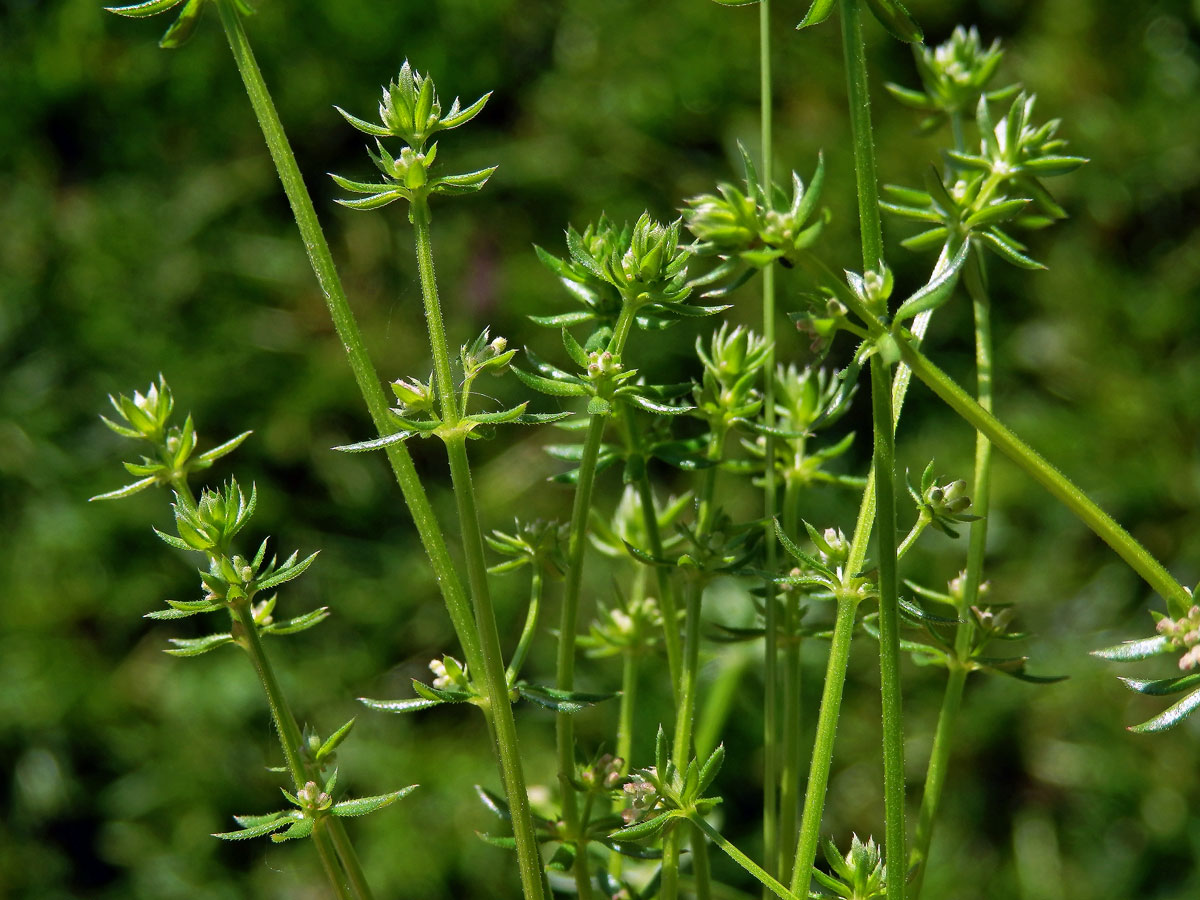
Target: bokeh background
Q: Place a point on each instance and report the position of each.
(142, 230)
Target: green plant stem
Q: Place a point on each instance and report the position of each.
(749, 865)
(790, 770)
(911, 538)
(1032, 463)
(568, 624)
(328, 857)
(529, 629)
(889, 623)
(939, 756)
(866, 178)
(701, 866)
(348, 856)
(321, 260)
(497, 705)
(290, 740)
(666, 587)
(771, 749)
(935, 775)
(822, 755)
(884, 459)
(625, 717)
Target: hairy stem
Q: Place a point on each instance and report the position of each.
(789, 772)
(884, 467)
(321, 260)
(498, 706)
(749, 865)
(771, 748)
(568, 624)
(1035, 465)
(290, 740)
(822, 756)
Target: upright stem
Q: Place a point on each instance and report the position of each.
(770, 675)
(666, 588)
(939, 756)
(889, 627)
(884, 467)
(568, 624)
(822, 756)
(321, 260)
(498, 707)
(529, 630)
(789, 773)
(290, 740)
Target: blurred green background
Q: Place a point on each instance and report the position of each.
(142, 230)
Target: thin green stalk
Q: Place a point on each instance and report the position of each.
(329, 863)
(568, 624)
(753, 868)
(348, 856)
(790, 770)
(290, 740)
(889, 624)
(935, 775)
(321, 260)
(917, 530)
(822, 755)
(771, 748)
(625, 717)
(701, 868)
(666, 587)
(529, 629)
(498, 706)
(1036, 466)
(884, 466)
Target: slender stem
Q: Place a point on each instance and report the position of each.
(935, 775)
(700, 866)
(822, 756)
(666, 587)
(290, 740)
(771, 748)
(889, 624)
(433, 314)
(758, 872)
(625, 717)
(321, 260)
(884, 467)
(1036, 466)
(911, 538)
(329, 863)
(568, 624)
(790, 770)
(498, 706)
(869, 225)
(529, 630)
(348, 856)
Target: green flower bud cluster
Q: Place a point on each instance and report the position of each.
(631, 626)
(146, 417)
(604, 774)
(859, 875)
(449, 674)
(216, 519)
(1183, 633)
(954, 75)
(942, 505)
(541, 543)
(727, 392)
(413, 396)
(412, 112)
(758, 225)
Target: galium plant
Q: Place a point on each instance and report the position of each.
(619, 826)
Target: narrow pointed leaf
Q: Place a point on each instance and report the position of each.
(817, 13)
(897, 20)
(559, 700)
(196, 646)
(140, 10)
(254, 831)
(400, 706)
(1130, 651)
(128, 491)
(1171, 716)
(1163, 686)
(209, 457)
(386, 441)
(938, 290)
(364, 805)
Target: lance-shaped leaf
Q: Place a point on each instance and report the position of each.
(289, 570)
(1132, 651)
(299, 623)
(1163, 686)
(412, 704)
(939, 288)
(647, 829)
(128, 491)
(364, 805)
(206, 459)
(196, 646)
(1171, 716)
(257, 826)
(376, 443)
(817, 13)
(180, 609)
(559, 700)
